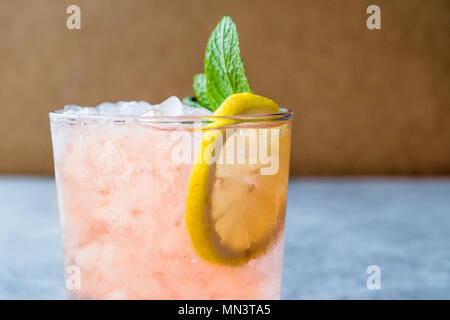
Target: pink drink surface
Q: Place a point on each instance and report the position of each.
(122, 206)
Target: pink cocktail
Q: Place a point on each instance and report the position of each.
(122, 201)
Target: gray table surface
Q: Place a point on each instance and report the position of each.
(335, 229)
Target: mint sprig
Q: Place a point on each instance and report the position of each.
(224, 69)
(192, 102)
(200, 89)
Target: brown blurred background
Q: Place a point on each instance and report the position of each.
(365, 101)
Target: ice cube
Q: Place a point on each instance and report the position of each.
(134, 108)
(171, 107)
(150, 113)
(187, 110)
(88, 110)
(109, 108)
(72, 109)
(145, 105)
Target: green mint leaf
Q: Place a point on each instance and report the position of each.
(200, 89)
(224, 68)
(192, 102)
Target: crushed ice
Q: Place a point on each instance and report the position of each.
(172, 107)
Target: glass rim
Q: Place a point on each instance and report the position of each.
(283, 115)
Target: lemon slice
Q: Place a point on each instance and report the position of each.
(233, 213)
